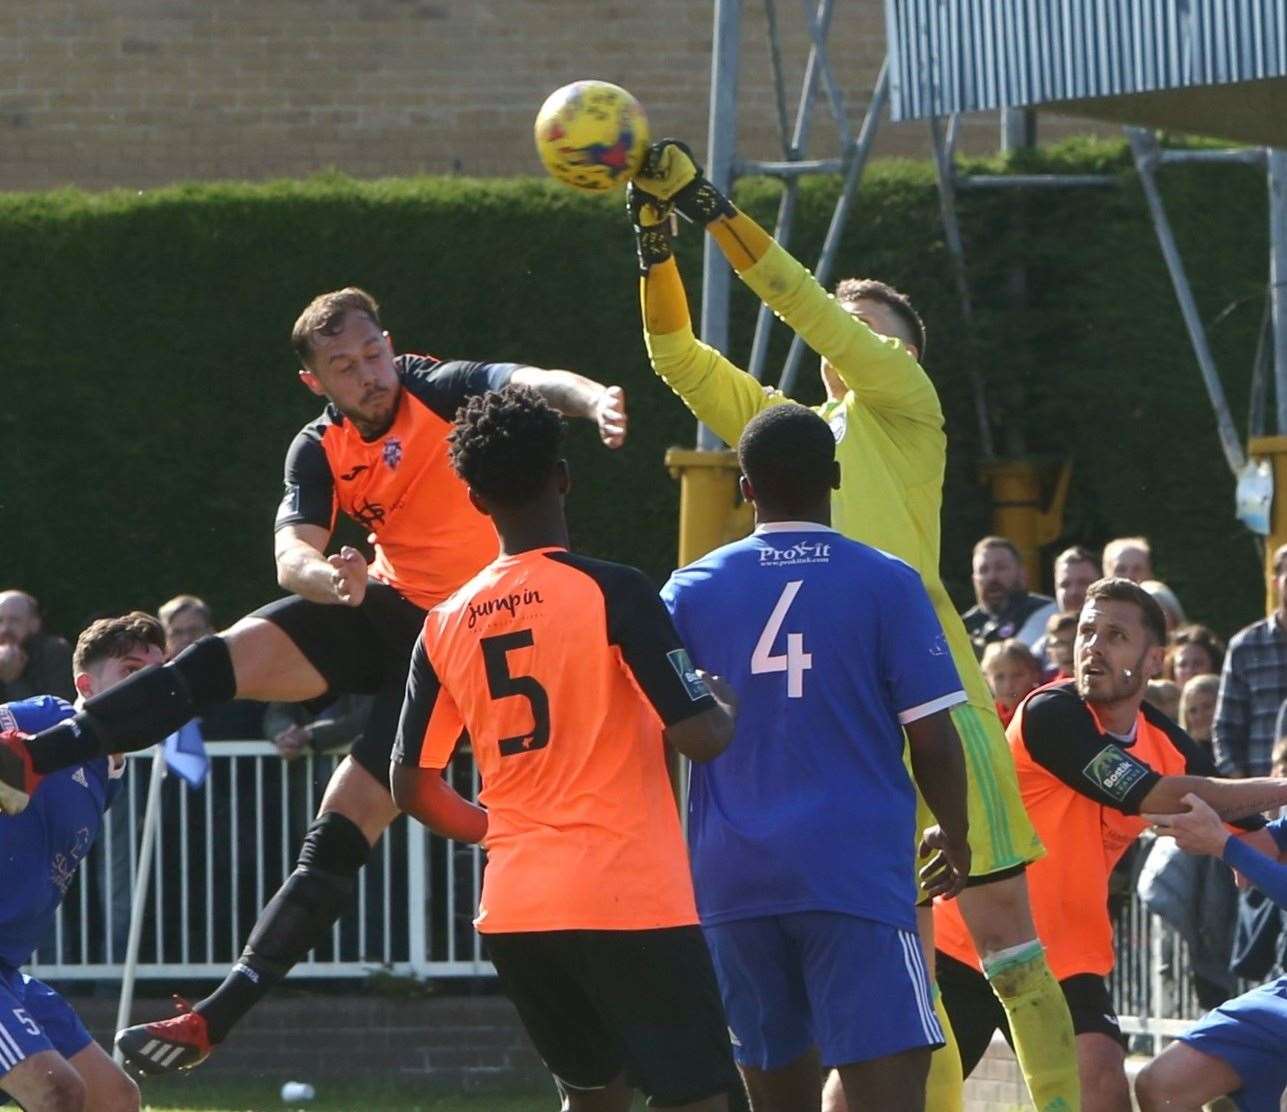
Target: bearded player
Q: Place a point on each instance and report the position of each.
(1093, 759)
(378, 453)
(888, 425)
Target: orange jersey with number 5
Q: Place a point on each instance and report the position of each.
(561, 672)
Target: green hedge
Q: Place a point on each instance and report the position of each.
(150, 392)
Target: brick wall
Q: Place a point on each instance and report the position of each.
(143, 92)
(452, 1041)
(996, 1085)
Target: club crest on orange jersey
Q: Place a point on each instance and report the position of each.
(392, 453)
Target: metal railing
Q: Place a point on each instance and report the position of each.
(225, 848)
(222, 851)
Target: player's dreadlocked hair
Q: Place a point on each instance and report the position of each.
(788, 453)
(506, 443)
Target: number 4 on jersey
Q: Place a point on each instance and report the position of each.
(795, 661)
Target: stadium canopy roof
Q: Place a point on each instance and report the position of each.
(1210, 67)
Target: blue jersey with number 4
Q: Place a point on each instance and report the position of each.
(830, 646)
(41, 848)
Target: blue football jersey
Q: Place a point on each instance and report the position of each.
(41, 848)
(830, 646)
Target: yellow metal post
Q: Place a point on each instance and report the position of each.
(711, 512)
(1019, 511)
(1274, 449)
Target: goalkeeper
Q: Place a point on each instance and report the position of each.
(888, 424)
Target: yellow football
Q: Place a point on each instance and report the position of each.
(592, 135)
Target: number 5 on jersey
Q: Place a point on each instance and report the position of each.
(501, 684)
(795, 661)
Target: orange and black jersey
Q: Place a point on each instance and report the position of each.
(561, 670)
(1082, 787)
(400, 486)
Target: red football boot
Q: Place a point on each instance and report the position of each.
(178, 1043)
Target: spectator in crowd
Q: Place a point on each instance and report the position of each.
(1130, 558)
(1168, 601)
(1253, 684)
(294, 730)
(1165, 696)
(1011, 671)
(1195, 650)
(32, 662)
(1057, 646)
(1003, 607)
(186, 619)
(1075, 569)
(1197, 707)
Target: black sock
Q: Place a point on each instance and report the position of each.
(143, 710)
(316, 894)
(206, 667)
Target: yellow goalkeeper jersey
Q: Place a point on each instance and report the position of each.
(888, 427)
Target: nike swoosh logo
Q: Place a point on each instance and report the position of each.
(349, 476)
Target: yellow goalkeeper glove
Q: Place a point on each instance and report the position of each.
(651, 220)
(671, 174)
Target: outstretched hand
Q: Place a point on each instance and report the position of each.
(1197, 830)
(670, 175)
(610, 416)
(667, 168)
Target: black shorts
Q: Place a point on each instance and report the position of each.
(359, 650)
(976, 1013)
(599, 1003)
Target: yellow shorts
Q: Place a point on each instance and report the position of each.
(1001, 834)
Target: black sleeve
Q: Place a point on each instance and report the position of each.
(1062, 737)
(429, 728)
(640, 626)
(1197, 761)
(444, 387)
(309, 497)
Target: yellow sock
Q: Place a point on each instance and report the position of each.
(945, 1088)
(1040, 1025)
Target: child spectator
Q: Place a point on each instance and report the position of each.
(1197, 707)
(1061, 633)
(1011, 671)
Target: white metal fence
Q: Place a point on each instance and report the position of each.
(222, 851)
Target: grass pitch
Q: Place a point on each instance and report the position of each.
(186, 1094)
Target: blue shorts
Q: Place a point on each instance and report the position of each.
(854, 988)
(1250, 1034)
(33, 1017)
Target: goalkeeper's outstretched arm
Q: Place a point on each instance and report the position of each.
(720, 394)
(882, 371)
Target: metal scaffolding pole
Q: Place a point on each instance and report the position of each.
(1278, 278)
(1145, 149)
(793, 152)
(721, 144)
